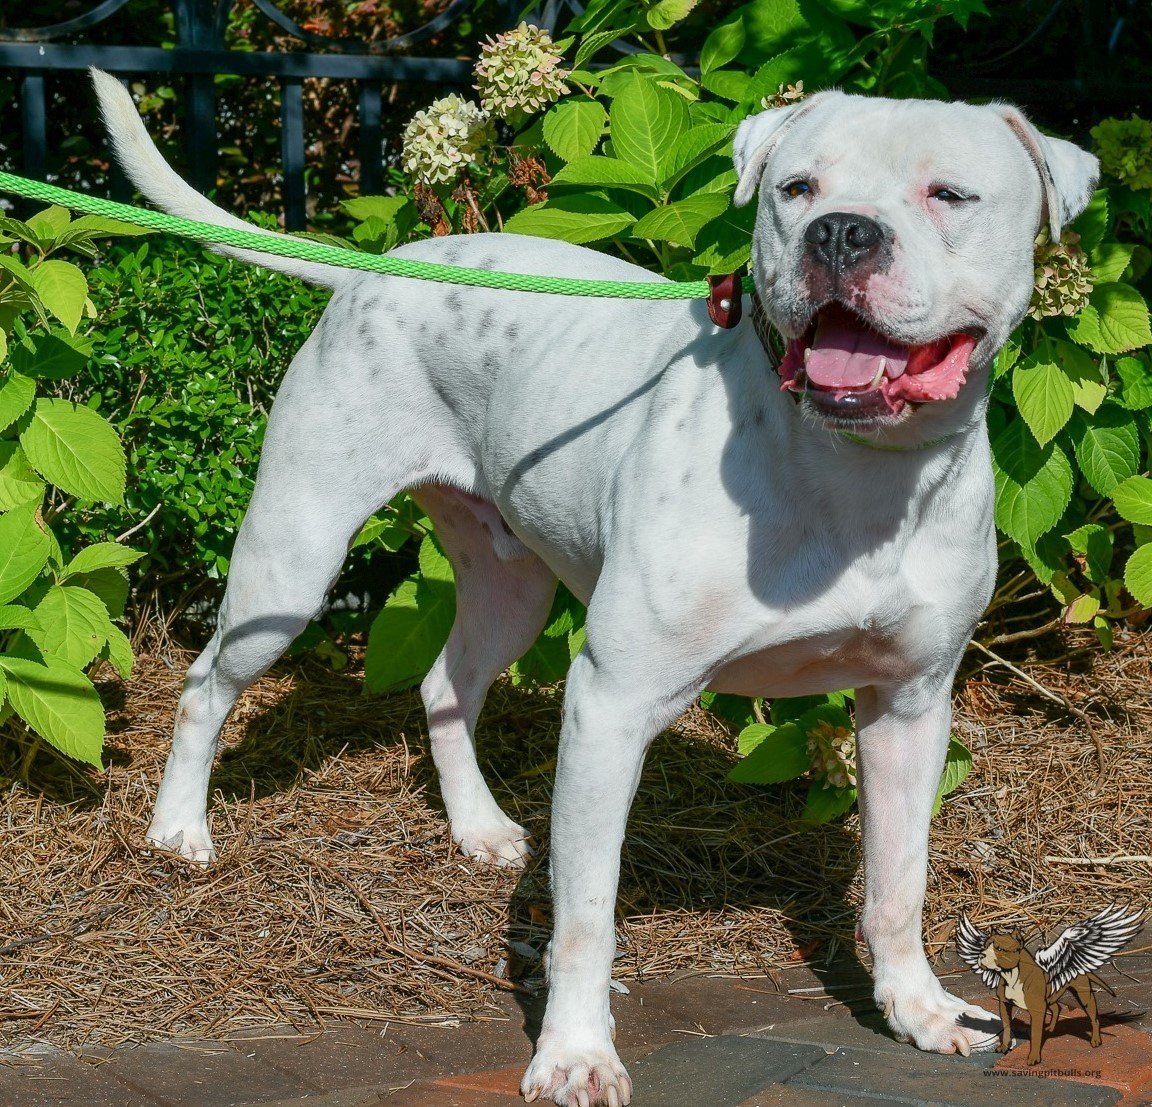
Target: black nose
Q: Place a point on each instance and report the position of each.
(842, 239)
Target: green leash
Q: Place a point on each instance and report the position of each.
(340, 257)
(285, 246)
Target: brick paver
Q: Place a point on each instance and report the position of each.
(718, 1042)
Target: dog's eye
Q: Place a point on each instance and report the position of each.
(792, 189)
(949, 195)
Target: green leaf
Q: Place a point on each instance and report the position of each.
(727, 84)
(1107, 447)
(665, 14)
(1043, 395)
(1033, 484)
(1094, 222)
(18, 484)
(101, 555)
(59, 703)
(1103, 630)
(752, 735)
(723, 44)
(385, 529)
(408, 634)
(823, 803)
(1133, 499)
(579, 218)
(13, 617)
(1114, 322)
(62, 288)
(694, 147)
(49, 356)
(573, 128)
(1088, 380)
(680, 222)
(1093, 542)
(1136, 379)
(74, 624)
(16, 395)
(596, 171)
(75, 449)
(725, 244)
(117, 651)
(434, 566)
(104, 226)
(1083, 609)
(110, 585)
(24, 548)
(1138, 575)
(375, 207)
(545, 663)
(592, 44)
(647, 121)
(780, 755)
(1110, 259)
(957, 766)
(50, 223)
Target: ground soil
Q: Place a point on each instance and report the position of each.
(338, 892)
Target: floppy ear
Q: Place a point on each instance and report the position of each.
(756, 138)
(1068, 173)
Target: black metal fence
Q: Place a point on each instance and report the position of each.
(200, 53)
(1088, 84)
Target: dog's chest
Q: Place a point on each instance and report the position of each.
(1014, 988)
(857, 632)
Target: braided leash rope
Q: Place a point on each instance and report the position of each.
(303, 250)
(340, 257)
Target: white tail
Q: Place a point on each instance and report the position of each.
(161, 184)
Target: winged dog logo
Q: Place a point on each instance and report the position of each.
(1038, 982)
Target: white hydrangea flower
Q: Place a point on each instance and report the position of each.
(445, 138)
(519, 69)
(833, 753)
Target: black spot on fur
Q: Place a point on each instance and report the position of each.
(686, 477)
(452, 301)
(758, 417)
(444, 396)
(512, 332)
(371, 303)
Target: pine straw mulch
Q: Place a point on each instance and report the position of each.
(338, 893)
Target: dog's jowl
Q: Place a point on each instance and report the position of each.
(731, 523)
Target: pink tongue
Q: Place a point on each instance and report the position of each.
(846, 353)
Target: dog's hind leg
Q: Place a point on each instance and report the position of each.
(324, 471)
(503, 594)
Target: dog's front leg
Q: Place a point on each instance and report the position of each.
(902, 740)
(610, 718)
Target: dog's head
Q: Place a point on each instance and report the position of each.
(894, 242)
(1002, 953)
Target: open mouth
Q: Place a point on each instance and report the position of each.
(851, 372)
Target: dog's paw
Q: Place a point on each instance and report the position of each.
(193, 843)
(938, 1022)
(494, 842)
(573, 1077)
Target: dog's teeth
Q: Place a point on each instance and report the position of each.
(807, 354)
(879, 373)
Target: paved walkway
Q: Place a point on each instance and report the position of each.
(801, 1038)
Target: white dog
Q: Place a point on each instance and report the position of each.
(705, 504)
